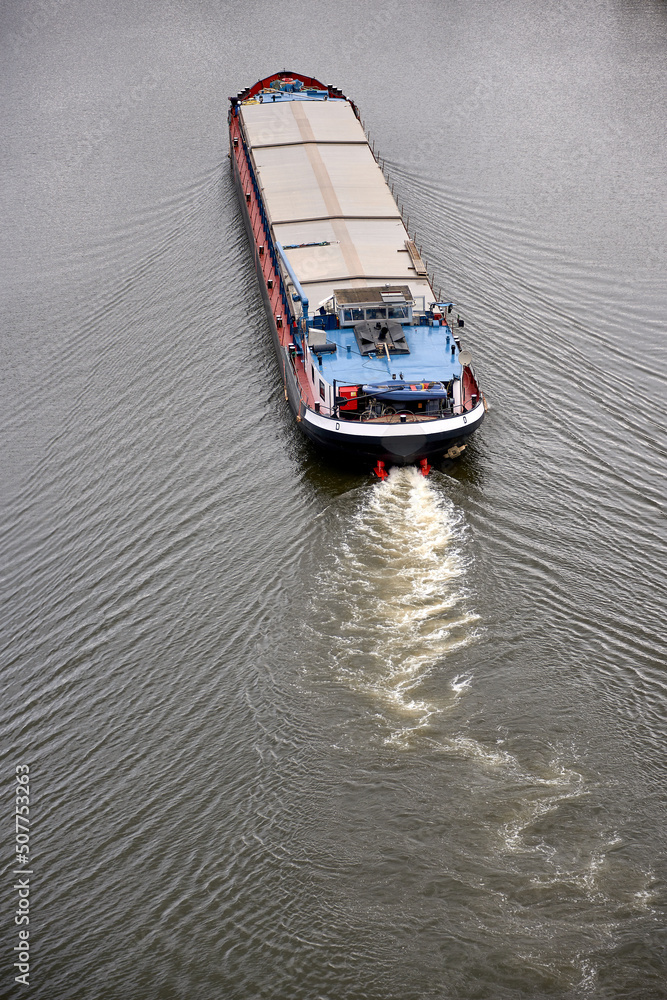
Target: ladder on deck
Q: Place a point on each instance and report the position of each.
(417, 262)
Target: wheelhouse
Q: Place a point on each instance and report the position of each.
(354, 305)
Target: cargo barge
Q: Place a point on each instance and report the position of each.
(371, 360)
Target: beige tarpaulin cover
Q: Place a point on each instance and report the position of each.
(322, 181)
(321, 184)
(301, 121)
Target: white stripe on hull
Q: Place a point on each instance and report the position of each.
(454, 426)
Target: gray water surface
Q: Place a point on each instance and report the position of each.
(295, 734)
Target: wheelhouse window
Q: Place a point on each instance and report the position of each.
(352, 315)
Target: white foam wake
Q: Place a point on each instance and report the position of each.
(395, 593)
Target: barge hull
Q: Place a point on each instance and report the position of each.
(310, 375)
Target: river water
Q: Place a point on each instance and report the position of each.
(292, 733)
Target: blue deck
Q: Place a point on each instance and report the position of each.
(429, 360)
